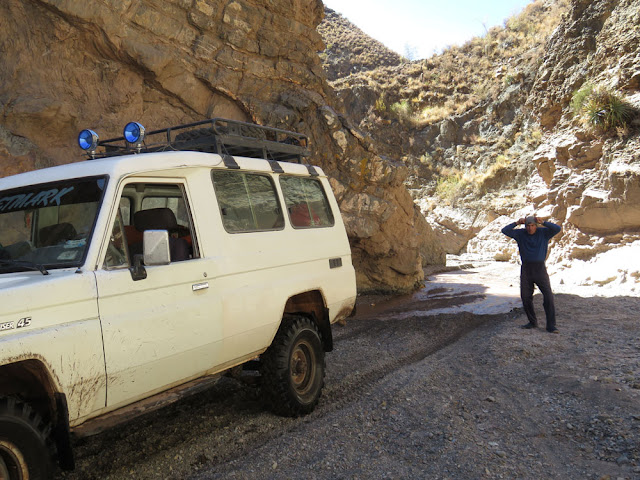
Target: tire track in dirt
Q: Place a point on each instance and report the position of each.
(441, 331)
(438, 332)
(379, 322)
(429, 334)
(228, 421)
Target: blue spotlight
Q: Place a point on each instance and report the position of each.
(88, 140)
(134, 133)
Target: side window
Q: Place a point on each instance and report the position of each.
(125, 210)
(151, 206)
(248, 202)
(306, 201)
(117, 253)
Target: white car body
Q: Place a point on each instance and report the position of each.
(105, 341)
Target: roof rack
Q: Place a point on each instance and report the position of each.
(216, 135)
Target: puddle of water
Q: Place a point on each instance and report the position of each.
(487, 289)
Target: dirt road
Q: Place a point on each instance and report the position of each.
(410, 394)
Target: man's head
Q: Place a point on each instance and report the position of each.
(530, 224)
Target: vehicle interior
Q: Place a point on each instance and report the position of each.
(155, 206)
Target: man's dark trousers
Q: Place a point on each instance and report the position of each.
(536, 273)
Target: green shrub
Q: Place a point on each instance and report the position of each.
(402, 109)
(606, 110)
(601, 108)
(579, 98)
(509, 80)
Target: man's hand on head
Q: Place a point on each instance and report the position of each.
(520, 221)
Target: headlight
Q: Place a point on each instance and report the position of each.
(88, 140)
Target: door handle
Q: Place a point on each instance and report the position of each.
(199, 286)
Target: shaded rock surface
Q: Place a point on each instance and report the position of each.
(71, 65)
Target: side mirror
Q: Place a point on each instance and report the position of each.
(156, 247)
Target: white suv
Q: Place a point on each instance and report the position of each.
(155, 267)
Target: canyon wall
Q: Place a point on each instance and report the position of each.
(71, 65)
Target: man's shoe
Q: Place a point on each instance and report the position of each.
(553, 330)
(529, 326)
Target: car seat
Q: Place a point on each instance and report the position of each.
(160, 219)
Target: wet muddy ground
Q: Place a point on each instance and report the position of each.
(440, 384)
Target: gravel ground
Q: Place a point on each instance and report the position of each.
(414, 395)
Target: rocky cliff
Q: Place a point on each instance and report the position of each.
(69, 65)
(585, 178)
(455, 119)
(531, 136)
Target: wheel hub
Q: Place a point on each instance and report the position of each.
(301, 366)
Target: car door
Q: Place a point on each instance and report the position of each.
(162, 330)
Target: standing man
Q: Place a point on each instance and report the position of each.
(533, 242)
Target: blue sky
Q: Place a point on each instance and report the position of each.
(425, 27)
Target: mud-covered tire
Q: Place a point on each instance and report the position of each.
(25, 452)
(293, 368)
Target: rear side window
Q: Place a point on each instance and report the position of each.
(248, 201)
(306, 202)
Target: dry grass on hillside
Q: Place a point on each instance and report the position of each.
(349, 50)
(402, 104)
(427, 91)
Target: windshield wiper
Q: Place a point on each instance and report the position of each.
(25, 264)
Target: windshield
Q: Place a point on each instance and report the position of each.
(48, 225)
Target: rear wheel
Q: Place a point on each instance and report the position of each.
(24, 452)
(293, 368)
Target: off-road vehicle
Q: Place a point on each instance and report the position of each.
(154, 266)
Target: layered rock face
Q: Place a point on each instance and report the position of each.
(456, 119)
(69, 65)
(552, 164)
(588, 182)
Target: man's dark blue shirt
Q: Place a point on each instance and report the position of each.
(533, 248)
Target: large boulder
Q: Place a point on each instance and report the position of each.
(454, 227)
(616, 209)
(491, 243)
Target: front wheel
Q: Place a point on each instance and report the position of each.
(293, 368)
(24, 451)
